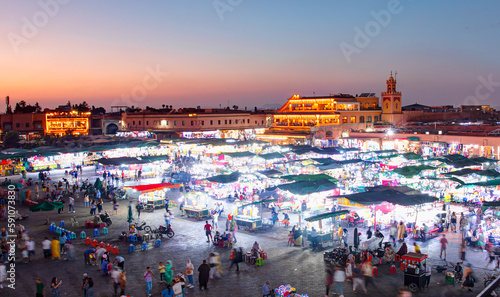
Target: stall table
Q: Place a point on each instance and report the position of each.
(199, 214)
(248, 223)
(323, 238)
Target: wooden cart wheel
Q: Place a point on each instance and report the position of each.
(413, 287)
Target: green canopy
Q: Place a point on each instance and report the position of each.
(462, 163)
(240, 154)
(411, 156)
(151, 159)
(453, 179)
(46, 206)
(225, 178)
(270, 172)
(388, 156)
(468, 171)
(389, 195)
(490, 183)
(306, 187)
(309, 177)
(484, 160)
(327, 215)
(329, 166)
(410, 171)
(455, 158)
(323, 161)
(271, 156)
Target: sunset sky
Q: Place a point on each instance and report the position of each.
(246, 52)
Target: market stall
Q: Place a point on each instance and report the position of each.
(249, 216)
(325, 234)
(195, 205)
(152, 195)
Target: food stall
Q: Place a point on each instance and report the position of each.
(414, 270)
(152, 195)
(325, 235)
(195, 205)
(249, 216)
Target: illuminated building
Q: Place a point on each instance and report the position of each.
(66, 122)
(197, 123)
(391, 104)
(302, 113)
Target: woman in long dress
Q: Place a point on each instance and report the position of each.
(55, 246)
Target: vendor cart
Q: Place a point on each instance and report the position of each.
(197, 213)
(414, 271)
(195, 205)
(152, 195)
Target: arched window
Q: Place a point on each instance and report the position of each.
(376, 118)
(361, 119)
(387, 106)
(369, 119)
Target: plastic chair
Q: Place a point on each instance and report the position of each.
(115, 250)
(398, 258)
(221, 244)
(108, 248)
(96, 232)
(83, 235)
(102, 244)
(62, 224)
(73, 235)
(131, 248)
(157, 243)
(52, 228)
(58, 230)
(88, 241)
(263, 255)
(132, 238)
(144, 246)
(94, 243)
(104, 230)
(259, 262)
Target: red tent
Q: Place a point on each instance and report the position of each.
(152, 187)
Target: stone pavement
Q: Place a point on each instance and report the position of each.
(300, 267)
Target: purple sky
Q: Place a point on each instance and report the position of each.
(247, 53)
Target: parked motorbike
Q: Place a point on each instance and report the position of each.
(106, 219)
(162, 230)
(142, 226)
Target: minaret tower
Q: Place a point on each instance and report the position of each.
(391, 103)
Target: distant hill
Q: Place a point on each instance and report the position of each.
(271, 106)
